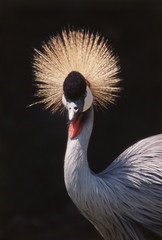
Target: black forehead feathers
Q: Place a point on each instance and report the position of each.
(74, 85)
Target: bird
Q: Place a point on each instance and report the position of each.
(77, 71)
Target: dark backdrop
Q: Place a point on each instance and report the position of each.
(33, 199)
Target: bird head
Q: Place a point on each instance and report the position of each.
(77, 98)
(76, 69)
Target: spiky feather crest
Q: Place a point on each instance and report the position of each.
(79, 51)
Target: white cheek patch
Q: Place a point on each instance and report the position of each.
(64, 101)
(88, 99)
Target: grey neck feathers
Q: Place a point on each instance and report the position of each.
(114, 201)
(76, 169)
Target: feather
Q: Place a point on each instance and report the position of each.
(79, 51)
(123, 202)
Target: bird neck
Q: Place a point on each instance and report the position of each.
(76, 169)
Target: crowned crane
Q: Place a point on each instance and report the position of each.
(78, 69)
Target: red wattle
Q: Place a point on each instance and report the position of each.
(75, 127)
(88, 83)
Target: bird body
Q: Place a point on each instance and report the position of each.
(79, 70)
(114, 200)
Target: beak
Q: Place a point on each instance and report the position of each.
(74, 108)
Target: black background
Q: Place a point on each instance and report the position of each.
(33, 199)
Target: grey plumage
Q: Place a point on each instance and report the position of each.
(125, 195)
